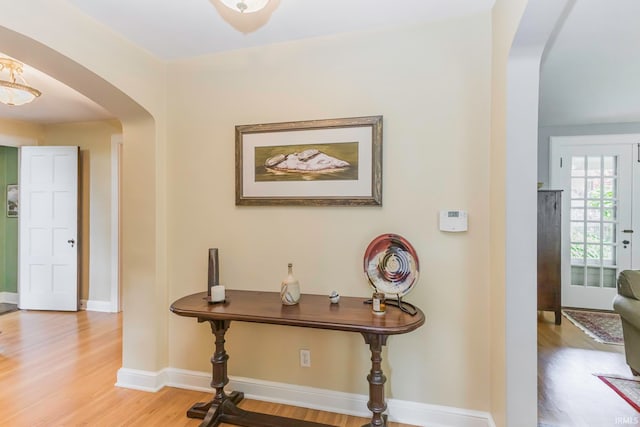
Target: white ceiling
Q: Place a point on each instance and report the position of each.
(173, 29)
(589, 73)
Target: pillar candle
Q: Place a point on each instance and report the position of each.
(217, 293)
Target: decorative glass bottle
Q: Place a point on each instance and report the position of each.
(290, 289)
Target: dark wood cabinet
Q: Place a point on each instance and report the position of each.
(549, 256)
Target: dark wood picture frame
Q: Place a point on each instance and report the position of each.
(359, 137)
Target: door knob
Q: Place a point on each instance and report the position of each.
(625, 243)
(72, 242)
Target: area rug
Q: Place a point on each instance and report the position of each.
(602, 326)
(627, 388)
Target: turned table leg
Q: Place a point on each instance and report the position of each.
(376, 379)
(211, 410)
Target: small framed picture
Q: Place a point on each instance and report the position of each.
(12, 200)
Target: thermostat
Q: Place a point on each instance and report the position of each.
(453, 221)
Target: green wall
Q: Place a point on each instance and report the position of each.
(8, 226)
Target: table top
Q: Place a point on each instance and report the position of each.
(313, 311)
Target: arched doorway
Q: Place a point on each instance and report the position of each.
(144, 283)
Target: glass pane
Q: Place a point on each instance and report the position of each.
(593, 188)
(608, 232)
(577, 188)
(577, 231)
(608, 203)
(594, 203)
(608, 188)
(609, 277)
(608, 255)
(577, 214)
(577, 276)
(593, 232)
(609, 214)
(577, 166)
(594, 165)
(578, 253)
(593, 254)
(593, 214)
(609, 165)
(593, 277)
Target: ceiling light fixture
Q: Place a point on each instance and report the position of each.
(14, 90)
(245, 6)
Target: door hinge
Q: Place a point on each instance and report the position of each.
(561, 159)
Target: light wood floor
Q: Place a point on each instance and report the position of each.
(59, 369)
(568, 392)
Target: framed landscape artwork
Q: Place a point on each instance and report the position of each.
(311, 163)
(12, 200)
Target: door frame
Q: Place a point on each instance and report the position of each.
(17, 142)
(556, 145)
(116, 178)
(115, 302)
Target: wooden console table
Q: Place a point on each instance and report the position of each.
(313, 311)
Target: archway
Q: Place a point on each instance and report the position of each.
(536, 30)
(143, 282)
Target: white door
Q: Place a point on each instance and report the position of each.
(48, 228)
(596, 176)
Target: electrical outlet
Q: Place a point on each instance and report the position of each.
(305, 358)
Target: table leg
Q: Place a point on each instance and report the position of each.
(210, 410)
(223, 409)
(376, 379)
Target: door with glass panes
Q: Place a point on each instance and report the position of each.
(596, 176)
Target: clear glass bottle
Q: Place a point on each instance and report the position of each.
(290, 289)
(379, 304)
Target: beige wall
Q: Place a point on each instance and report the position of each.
(94, 140)
(432, 85)
(506, 17)
(15, 133)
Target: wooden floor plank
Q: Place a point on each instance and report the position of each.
(59, 369)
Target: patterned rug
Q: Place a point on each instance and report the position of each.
(627, 388)
(602, 326)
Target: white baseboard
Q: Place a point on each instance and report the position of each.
(89, 305)
(141, 380)
(420, 414)
(93, 305)
(9, 297)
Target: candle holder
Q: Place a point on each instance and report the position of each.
(215, 291)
